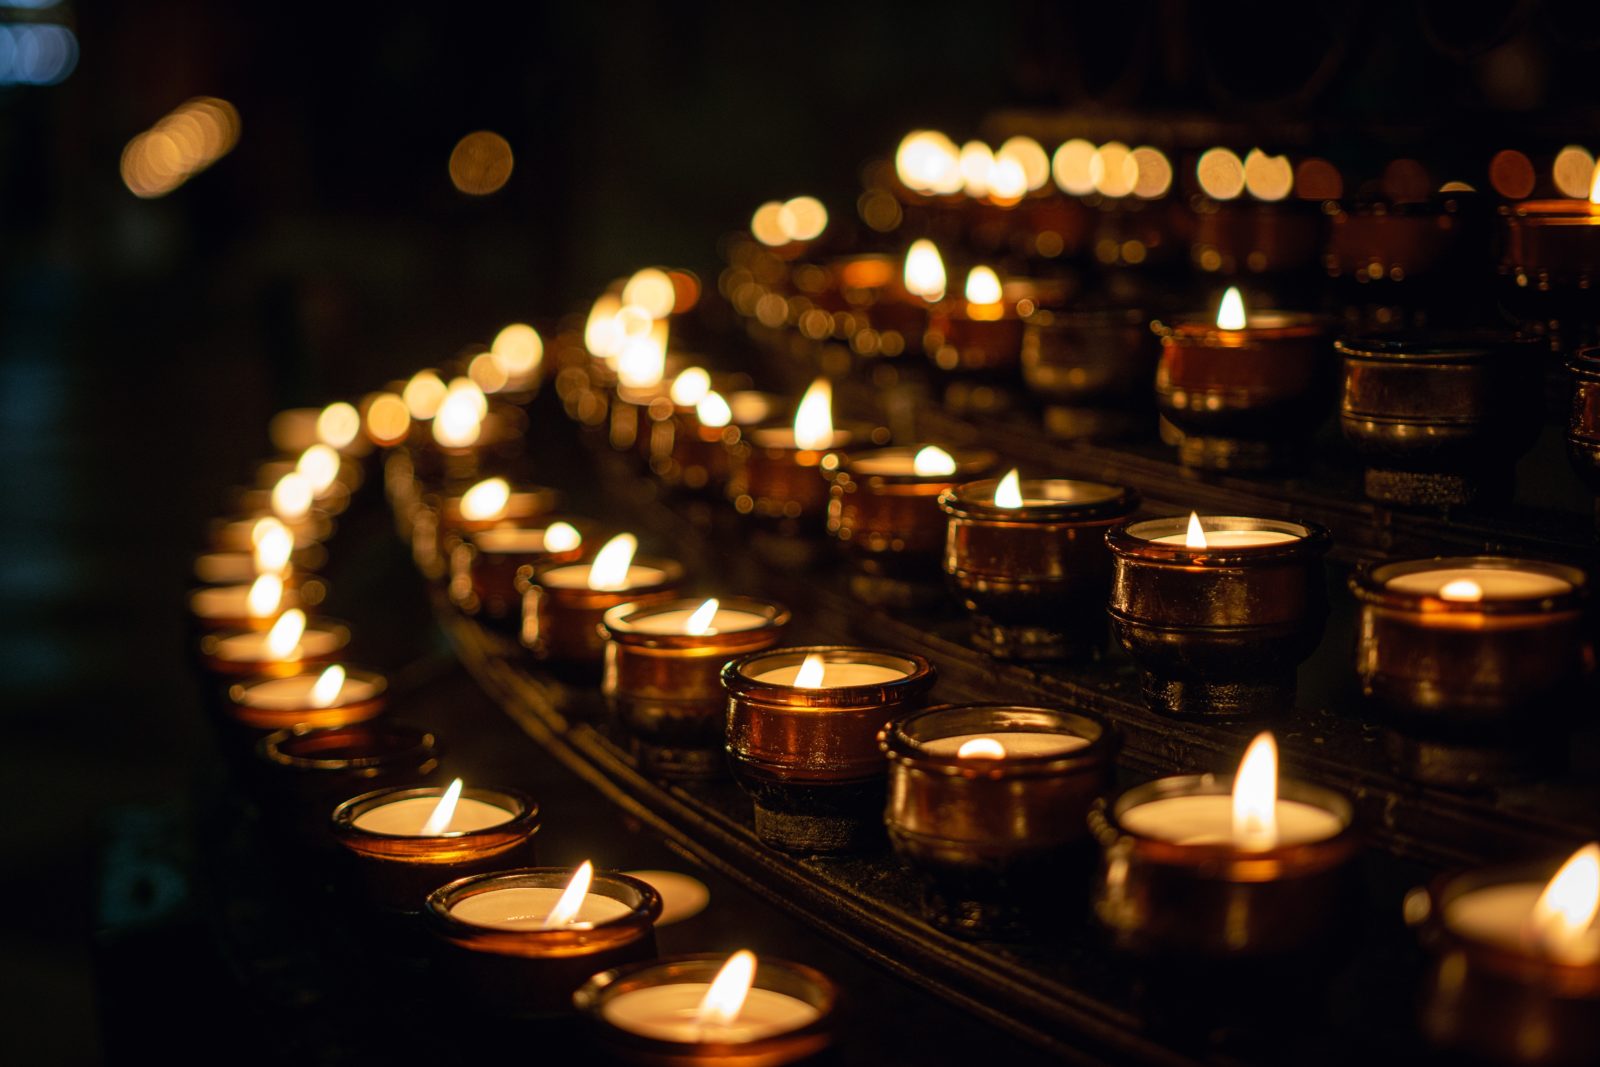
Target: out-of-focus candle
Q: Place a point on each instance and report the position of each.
(1479, 583)
(1003, 745)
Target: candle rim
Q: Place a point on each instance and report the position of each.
(1371, 584)
(1138, 538)
(519, 806)
(211, 643)
(899, 741)
(438, 907)
(1449, 886)
(409, 740)
(968, 461)
(618, 621)
(1170, 787)
(521, 503)
(1266, 323)
(379, 683)
(976, 499)
(670, 569)
(738, 675)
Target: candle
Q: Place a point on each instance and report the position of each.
(775, 473)
(320, 696)
(528, 908)
(491, 571)
(1012, 743)
(981, 334)
(1468, 584)
(815, 673)
(1211, 532)
(254, 604)
(409, 818)
(281, 650)
(725, 1010)
(1093, 369)
(582, 576)
(565, 603)
(696, 622)
(1208, 820)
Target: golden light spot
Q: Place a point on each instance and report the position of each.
(603, 335)
(1572, 171)
(651, 290)
(879, 209)
(1113, 170)
(423, 394)
(486, 371)
(183, 143)
(685, 290)
(1221, 174)
(767, 226)
(1008, 182)
(1267, 177)
(1030, 156)
(803, 218)
(480, 163)
(338, 424)
(518, 350)
(388, 419)
(976, 162)
(1511, 174)
(928, 162)
(1154, 173)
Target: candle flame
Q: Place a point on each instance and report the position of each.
(1008, 181)
(802, 218)
(266, 593)
(813, 421)
(713, 411)
(284, 637)
(976, 162)
(561, 537)
(571, 900)
(439, 821)
(690, 387)
(1230, 314)
(265, 527)
(1566, 909)
(928, 162)
(517, 350)
(981, 748)
(320, 465)
(338, 425)
(1461, 589)
(652, 290)
(924, 271)
(273, 547)
(486, 500)
(983, 286)
(459, 419)
(933, 461)
(699, 624)
(1195, 535)
(423, 394)
(726, 996)
(603, 335)
(1008, 494)
(643, 360)
(325, 690)
(292, 496)
(1255, 795)
(609, 571)
(1594, 186)
(388, 419)
(811, 673)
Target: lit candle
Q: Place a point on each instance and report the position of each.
(924, 274)
(1470, 584)
(520, 541)
(428, 816)
(322, 697)
(815, 672)
(1553, 920)
(776, 473)
(252, 605)
(612, 570)
(726, 1010)
(566, 602)
(1022, 743)
(707, 619)
(290, 641)
(541, 907)
(1207, 533)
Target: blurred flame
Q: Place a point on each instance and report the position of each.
(813, 420)
(274, 544)
(609, 571)
(1594, 187)
(811, 673)
(1267, 177)
(981, 748)
(1030, 156)
(292, 496)
(487, 373)
(803, 218)
(439, 821)
(1008, 494)
(1230, 313)
(1221, 174)
(725, 997)
(983, 286)
(1195, 535)
(1114, 170)
(423, 394)
(976, 164)
(459, 420)
(713, 410)
(486, 500)
(388, 419)
(266, 593)
(284, 637)
(924, 271)
(1461, 589)
(518, 349)
(186, 141)
(265, 527)
(325, 690)
(320, 466)
(1072, 167)
(932, 462)
(651, 290)
(1567, 907)
(1255, 795)
(643, 359)
(571, 901)
(766, 225)
(1154, 173)
(481, 163)
(928, 162)
(603, 335)
(699, 623)
(561, 537)
(1008, 182)
(338, 425)
(690, 387)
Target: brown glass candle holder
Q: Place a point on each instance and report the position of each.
(1034, 578)
(983, 341)
(598, 1001)
(395, 873)
(1583, 422)
(1551, 244)
(667, 687)
(998, 839)
(1476, 691)
(532, 971)
(561, 624)
(1218, 632)
(274, 702)
(490, 571)
(1249, 237)
(1243, 399)
(1490, 1003)
(241, 653)
(808, 758)
(771, 478)
(887, 517)
(1438, 418)
(1092, 369)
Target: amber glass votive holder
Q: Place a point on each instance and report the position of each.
(561, 624)
(772, 478)
(396, 872)
(241, 653)
(253, 702)
(534, 972)
(1583, 421)
(524, 507)
(999, 840)
(1092, 369)
(780, 976)
(1476, 691)
(1492, 1004)
(490, 571)
(1551, 244)
(809, 758)
(667, 687)
(1034, 578)
(1244, 399)
(1218, 632)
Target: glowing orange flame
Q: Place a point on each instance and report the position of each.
(603, 335)
(811, 673)
(326, 689)
(609, 571)
(320, 465)
(690, 387)
(266, 593)
(699, 623)
(1594, 186)
(338, 425)
(1008, 494)
(932, 462)
(1255, 795)
(924, 271)
(273, 548)
(284, 637)
(1230, 313)
(1464, 589)
(1195, 535)
(571, 899)
(813, 420)
(1566, 909)
(486, 500)
(292, 497)
(561, 537)
(981, 748)
(983, 286)
(439, 821)
(713, 410)
(725, 997)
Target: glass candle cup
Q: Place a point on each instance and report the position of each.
(496, 953)
(1093, 371)
(236, 653)
(637, 1014)
(227, 607)
(988, 802)
(808, 756)
(524, 506)
(1035, 578)
(695, 456)
(491, 569)
(394, 866)
(561, 615)
(274, 702)
(1217, 632)
(773, 478)
(666, 684)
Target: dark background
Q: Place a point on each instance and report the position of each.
(144, 343)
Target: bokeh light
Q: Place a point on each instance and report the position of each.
(1511, 174)
(928, 162)
(1317, 179)
(803, 218)
(1268, 177)
(1113, 170)
(1154, 173)
(1572, 171)
(766, 226)
(1071, 167)
(1030, 156)
(1221, 174)
(423, 394)
(517, 350)
(481, 163)
(36, 53)
(977, 162)
(652, 290)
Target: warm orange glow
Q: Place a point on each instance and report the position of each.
(185, 142)
(338, 424)
(388, 419)
(811, 673)
(1230, 313)
(1464, 589)
(690, 387)
(325, 690)
(609, 571)
(1511, 173)
(725, 997)
(518, 350)
(561, 537)
(266, 593)
(1221, 174)
(981, 748)
(1594, 187)
(976, 163)
(766, 226)
(699, 623)
(813, 420)
(686, 290)
(928, 162)
(603, 335)
(1255, 795)
(1566, 910)
(274, 544)
(1113, 170)
(284, 637)
(1008, 494)
(924, 271)
(713, 410)
(643, 360)
(1030, 156)
(1008, 182)
(265, 527)
(1317, 179)
(1572, 171)
(423, 394)
(983, 286)
(459, 420)
(320, 465)
(1071, 167)
(1154, 173)
(932, 462)
(486, 372)
(480, 163)
(438, 821)
(570, 902)
(651, 290)
(1195, 535)
(292, 497)
(1268, 177)
(486, 500)
(803, 218)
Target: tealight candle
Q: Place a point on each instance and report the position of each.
(565, 602)
(662, 673)
(253, 605)
(802, 738)
(291, 643)
(696, 456)
(335, 695)
(241, 534)
(490, 572)
(980, 332)
(775, 472)
(1218, 611)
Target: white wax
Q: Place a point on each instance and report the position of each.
(682, 897)
(1208, 820)
(676, 621)
(1497, 583)
(667, 1012)
(252, 647)
(525, 908)
(407, 817)
(233, 602)
(775, 437)
(1015, 742)
(225, 568)
(836, 674)
(893, 463)
(1499, 915)
(577, 577)
(1231, 538)
(294, 693)
(509, 539)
